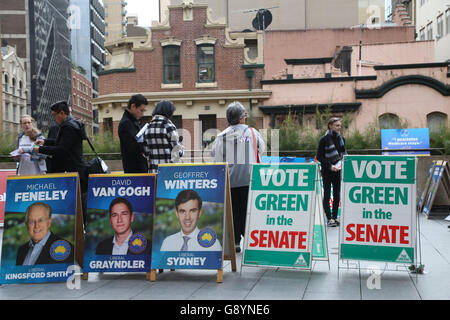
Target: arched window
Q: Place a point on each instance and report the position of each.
(13, 85)
(389, 121)
(436, 121)
(20, 88)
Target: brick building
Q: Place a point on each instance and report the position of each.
(188, 59)
(82, 99)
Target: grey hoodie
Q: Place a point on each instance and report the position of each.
(235, 146)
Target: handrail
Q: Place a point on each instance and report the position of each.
(281, 152)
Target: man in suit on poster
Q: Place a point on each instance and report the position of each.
(124, 241)
(44, 246)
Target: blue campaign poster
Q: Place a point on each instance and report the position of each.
(417, 138)
(39, 229)
(189, 217)
(119, 223)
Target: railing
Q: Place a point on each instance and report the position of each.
(205, 155)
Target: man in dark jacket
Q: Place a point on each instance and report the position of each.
(330, 154)
(67, 148)
(132, 151)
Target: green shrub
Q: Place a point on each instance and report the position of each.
(8, 143)
(103, 143)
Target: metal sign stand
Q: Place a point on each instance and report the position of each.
(417, 246)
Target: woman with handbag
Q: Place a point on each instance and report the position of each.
(240, 146)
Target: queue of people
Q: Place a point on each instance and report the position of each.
(144, 147)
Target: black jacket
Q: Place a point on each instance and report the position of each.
(133, 160)
(67, 149)
(331, 149)
(45, 255)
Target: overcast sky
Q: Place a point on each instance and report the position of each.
(146, 10)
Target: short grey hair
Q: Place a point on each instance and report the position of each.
(235, 112)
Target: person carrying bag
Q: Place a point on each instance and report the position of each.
(240, 146)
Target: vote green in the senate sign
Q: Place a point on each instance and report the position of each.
(379, 216)
(280, 216)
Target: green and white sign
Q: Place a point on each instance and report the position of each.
(379, 209)
(280, 215)
(320, 245)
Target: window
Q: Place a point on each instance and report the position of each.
(422, 34)
(14, 107)
(6, 84)
(447, 21)
(171, 64)
(20, 88)
(208, 121)
(6, 111)
(108, 125)
(430, 31)
(440, 27)
(13, 86)
(389, 121)
(436, 121)
(205, 63)
(177, 121)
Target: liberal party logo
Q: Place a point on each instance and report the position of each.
(137, 243)
(60, 250)
(206, 237)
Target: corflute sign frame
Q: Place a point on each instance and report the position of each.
(379, 220)
(117, 204)
(193, 224)
(45, 210)
(280, 216)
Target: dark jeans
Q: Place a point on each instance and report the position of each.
(239, 198)
(330, 178)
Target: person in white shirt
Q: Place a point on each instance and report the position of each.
(188, 209)
(121, 216)
(30, 163)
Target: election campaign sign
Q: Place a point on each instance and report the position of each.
(426, 188)
(40, 228)
(440, 173)
(280, 216)
(4, 174)
(119, 223)
(188, 228)
(379, 209)
(417, 138)
(320, 244)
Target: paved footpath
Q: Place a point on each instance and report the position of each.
(254, 283)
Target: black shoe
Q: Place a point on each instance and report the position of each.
(238, 248)
(332, 223)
